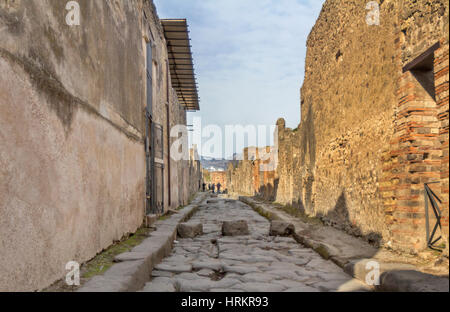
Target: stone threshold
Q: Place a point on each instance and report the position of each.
(133, 269)
(354, 255)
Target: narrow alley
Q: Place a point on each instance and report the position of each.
(178, 146)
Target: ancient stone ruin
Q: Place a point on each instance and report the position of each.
(374, 126)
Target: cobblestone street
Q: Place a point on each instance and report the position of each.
(252, 263)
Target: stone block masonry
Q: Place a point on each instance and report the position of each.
(254, 174)
(441, 68)
(374, 124)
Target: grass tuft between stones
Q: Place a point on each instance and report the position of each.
(104, 260)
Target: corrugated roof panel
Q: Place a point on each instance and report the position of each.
(180, 62)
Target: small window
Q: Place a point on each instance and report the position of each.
(422, 68)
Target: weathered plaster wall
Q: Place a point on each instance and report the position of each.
(72, 128)
(73, 165)
(62, 197)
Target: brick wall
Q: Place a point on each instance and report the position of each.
(254, 174)
(441, 67)
(419, 147)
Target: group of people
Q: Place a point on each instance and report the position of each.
(212, 187)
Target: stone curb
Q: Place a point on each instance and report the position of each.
(394, 277)
(135, 267)
(397, 277)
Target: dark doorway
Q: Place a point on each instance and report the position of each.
(153, 148)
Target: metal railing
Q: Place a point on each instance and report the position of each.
(431, 197)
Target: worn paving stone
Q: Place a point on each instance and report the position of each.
(289, 284)
(205, 272)
(262, 287)
(160, 285)
(250, 263)
(205, 285)
(240, 269)
(174, 268)
(179, 258)
(322, 265)
(232, 247)
(156, 273)
(224, 290)
(296, 261)
(247, 258)
(235, 228)
(289, 275)
(257, 277)
(279, 265)
(215, 265)
(302, 289)
(189, 276)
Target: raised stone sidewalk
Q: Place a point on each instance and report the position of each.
(353, 254)
(134, 268)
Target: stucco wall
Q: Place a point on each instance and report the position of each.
(73, 164)
(72, 128)
(62, 197)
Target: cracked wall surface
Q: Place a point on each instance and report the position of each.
(72, 127)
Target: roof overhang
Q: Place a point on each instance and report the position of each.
(181, 62)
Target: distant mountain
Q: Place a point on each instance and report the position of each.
(212, 164)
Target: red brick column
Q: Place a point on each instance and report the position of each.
(414, 159)
(441, 77)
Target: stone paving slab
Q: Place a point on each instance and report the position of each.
(352, 254)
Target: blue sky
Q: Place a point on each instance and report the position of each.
(249, 57)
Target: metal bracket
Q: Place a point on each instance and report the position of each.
(431, 197)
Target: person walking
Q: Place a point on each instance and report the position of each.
(204, 186)
(213, 188)
(218, 187)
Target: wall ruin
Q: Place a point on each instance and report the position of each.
(370, 134)
(254, 174)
